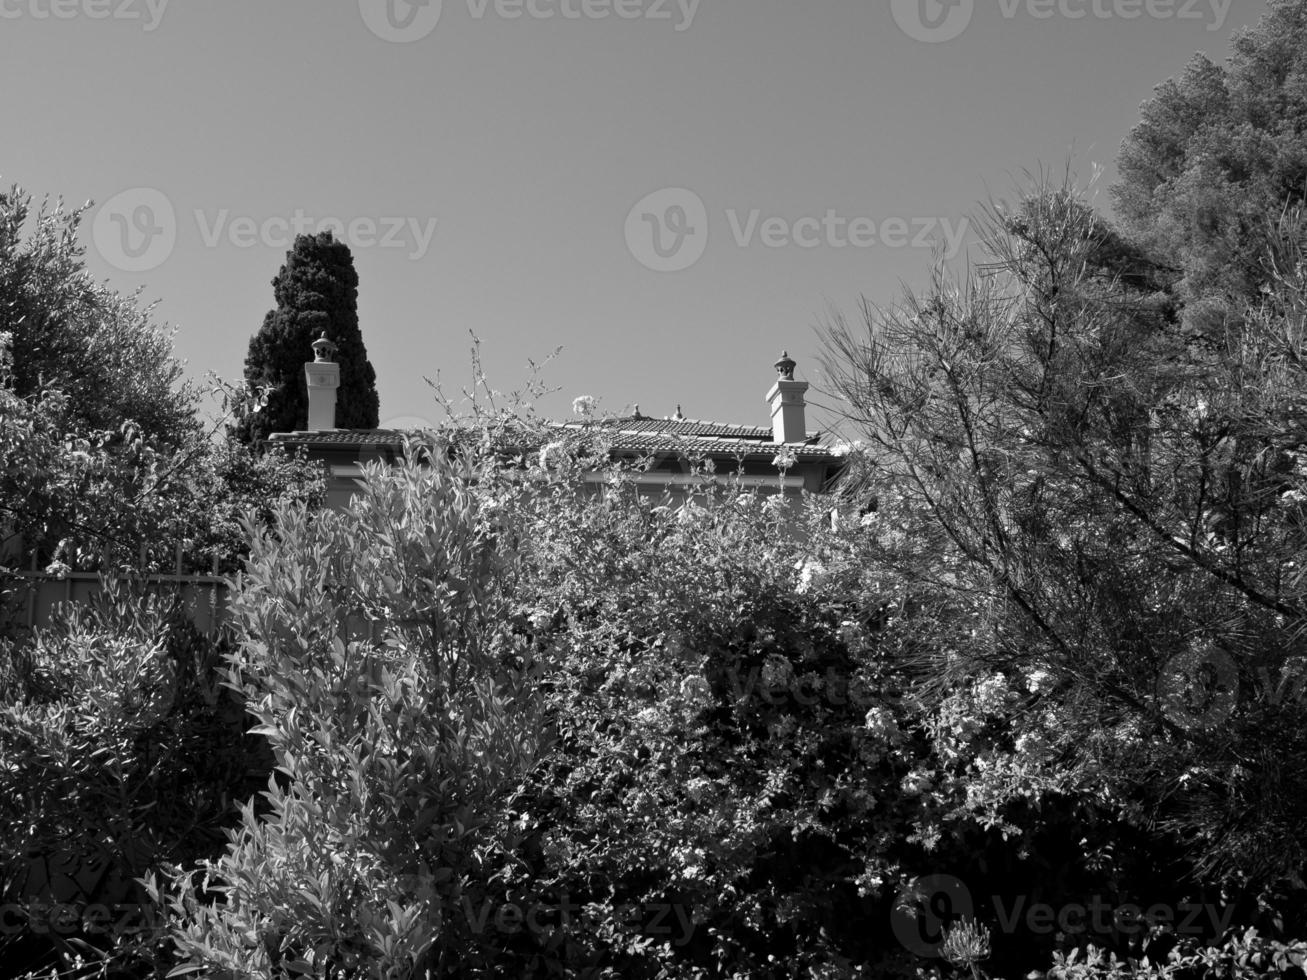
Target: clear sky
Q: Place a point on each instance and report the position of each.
(519, 169)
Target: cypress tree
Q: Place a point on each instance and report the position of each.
(316, 291)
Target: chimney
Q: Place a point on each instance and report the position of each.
(787, 403)
(323, 377)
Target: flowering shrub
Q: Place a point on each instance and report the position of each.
(518, 724)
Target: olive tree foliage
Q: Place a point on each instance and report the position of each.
(69, 333)
(106, 454)
(75, 499)
(122, 753)
(1131, 514)
(396, 746)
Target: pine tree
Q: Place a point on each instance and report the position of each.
(316, 292)
(1215, 172)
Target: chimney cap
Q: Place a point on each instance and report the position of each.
(785, 366)
(323, 349)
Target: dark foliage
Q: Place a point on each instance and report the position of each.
(317, 293)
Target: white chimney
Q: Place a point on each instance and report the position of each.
(787, 403)
(323, 377)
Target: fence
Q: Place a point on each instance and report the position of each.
(204, 596)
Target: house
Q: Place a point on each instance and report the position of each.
(785, 458)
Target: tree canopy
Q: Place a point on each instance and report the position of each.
(68, 333)
(1214, 175)
(316, 292)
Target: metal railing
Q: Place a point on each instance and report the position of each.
(41, 593)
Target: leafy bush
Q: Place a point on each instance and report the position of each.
(370, 654)
(119, 752)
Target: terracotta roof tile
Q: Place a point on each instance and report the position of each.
(630, 435)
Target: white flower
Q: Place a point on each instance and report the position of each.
(584, 405)
(1040, 680)
(540, 620)
(916, 782)
(991, 694)
(58, 569)
(784, 459)
(550, 454)
(810, 570)
(881, 723)
(1031, 744)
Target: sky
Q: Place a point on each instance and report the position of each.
(671, 191)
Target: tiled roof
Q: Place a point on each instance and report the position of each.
(662, 442)
(344, 437)
(682, 427)
(634, 434)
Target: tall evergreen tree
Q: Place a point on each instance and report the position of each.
(316, 292)
(1215, 172)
